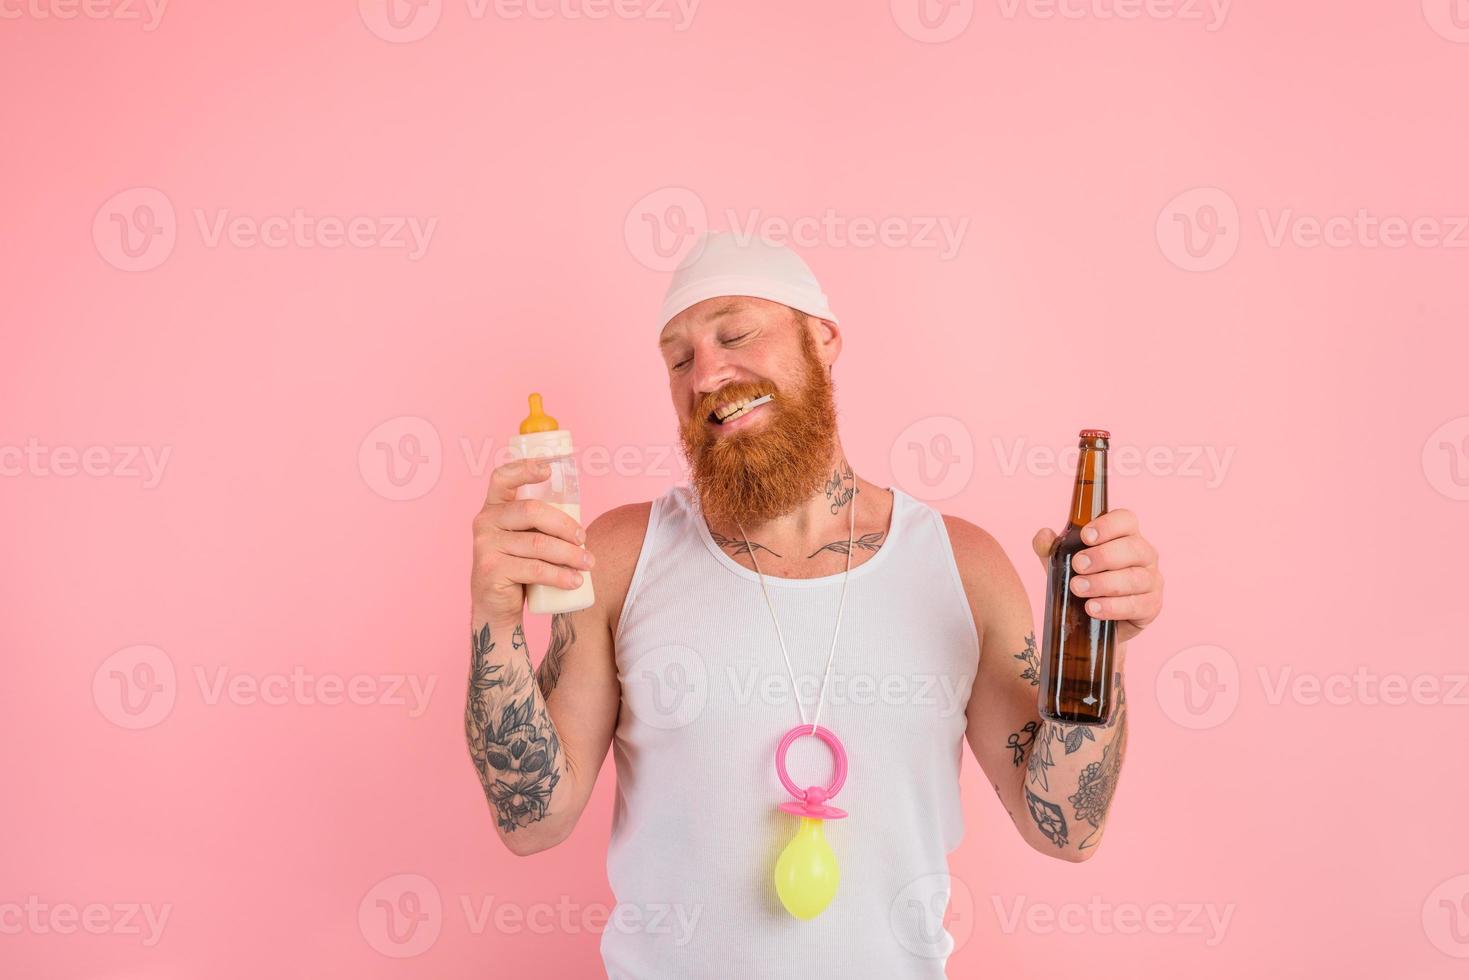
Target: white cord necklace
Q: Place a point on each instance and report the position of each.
(806, 872)
(821, 699)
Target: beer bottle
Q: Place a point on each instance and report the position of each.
(1077, 651)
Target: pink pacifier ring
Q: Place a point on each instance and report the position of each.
(813, 798)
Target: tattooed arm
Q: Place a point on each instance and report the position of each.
(538, 737)
(1055, 780)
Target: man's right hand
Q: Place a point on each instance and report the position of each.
(521, 542)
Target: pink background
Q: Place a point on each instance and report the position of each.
(300, 391)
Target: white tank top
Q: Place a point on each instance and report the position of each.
(706, 697)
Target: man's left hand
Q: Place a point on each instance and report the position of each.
(1117, 573)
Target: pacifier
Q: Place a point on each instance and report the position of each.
(806, 873)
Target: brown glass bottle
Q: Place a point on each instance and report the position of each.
(1077, 651)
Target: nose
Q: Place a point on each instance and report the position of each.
(712, 370)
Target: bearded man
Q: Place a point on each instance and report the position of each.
(778, 593)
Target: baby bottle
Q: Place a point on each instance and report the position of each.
(541, 439)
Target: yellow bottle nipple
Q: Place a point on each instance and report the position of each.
(537, 420)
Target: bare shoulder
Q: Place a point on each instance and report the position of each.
(976, 551)
(990, 580)
(615, 538)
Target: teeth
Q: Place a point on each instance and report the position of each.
(729, 413)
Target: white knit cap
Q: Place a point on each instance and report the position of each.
(725, 264)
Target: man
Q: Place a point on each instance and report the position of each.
(777, 589)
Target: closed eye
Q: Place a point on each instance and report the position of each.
(726, 341)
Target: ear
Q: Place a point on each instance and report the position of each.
(828, 337)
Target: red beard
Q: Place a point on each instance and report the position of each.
(754, 475)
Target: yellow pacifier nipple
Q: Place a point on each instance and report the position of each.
(806, 873)
(537, 420)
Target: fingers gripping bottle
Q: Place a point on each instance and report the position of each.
(540, 438)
